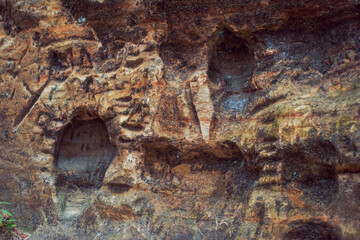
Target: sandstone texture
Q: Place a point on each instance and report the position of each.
(181, 119)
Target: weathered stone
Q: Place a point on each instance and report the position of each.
(181, 119)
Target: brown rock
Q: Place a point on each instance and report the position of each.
(181, 119)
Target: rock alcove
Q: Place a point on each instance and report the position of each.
(231, 63)
(231, 119)
(84, 154)
(230, 70)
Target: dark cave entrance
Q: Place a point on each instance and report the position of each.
(232, 62)
(84, 154)
(230, 71)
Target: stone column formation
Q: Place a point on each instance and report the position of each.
(181, 119)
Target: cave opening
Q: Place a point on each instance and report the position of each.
(85, 152)
(84, 155)
(231, 63)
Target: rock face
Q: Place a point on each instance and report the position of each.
(159, 119)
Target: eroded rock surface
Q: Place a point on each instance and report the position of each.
(181, 119)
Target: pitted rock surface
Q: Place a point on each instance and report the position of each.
(159, 119)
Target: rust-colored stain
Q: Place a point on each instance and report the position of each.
(121, 213)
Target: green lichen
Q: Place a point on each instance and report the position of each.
(343, 124)
(275, 125)
(273, 130)
(303, 132)
(268, 117)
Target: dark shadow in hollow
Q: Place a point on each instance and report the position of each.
(169, 167)
(311, 230)
(318, 182)
(232, 62)
(85, 153)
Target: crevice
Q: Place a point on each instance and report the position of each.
(87, 83)
(124, 99)
(265, 102)
(134, 63)
(12, 94)
(29, 106)
(118, 188)
(132, 127)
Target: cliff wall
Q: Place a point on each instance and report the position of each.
(181, 119)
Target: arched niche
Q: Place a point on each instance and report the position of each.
(84, 154)
(232, 62)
